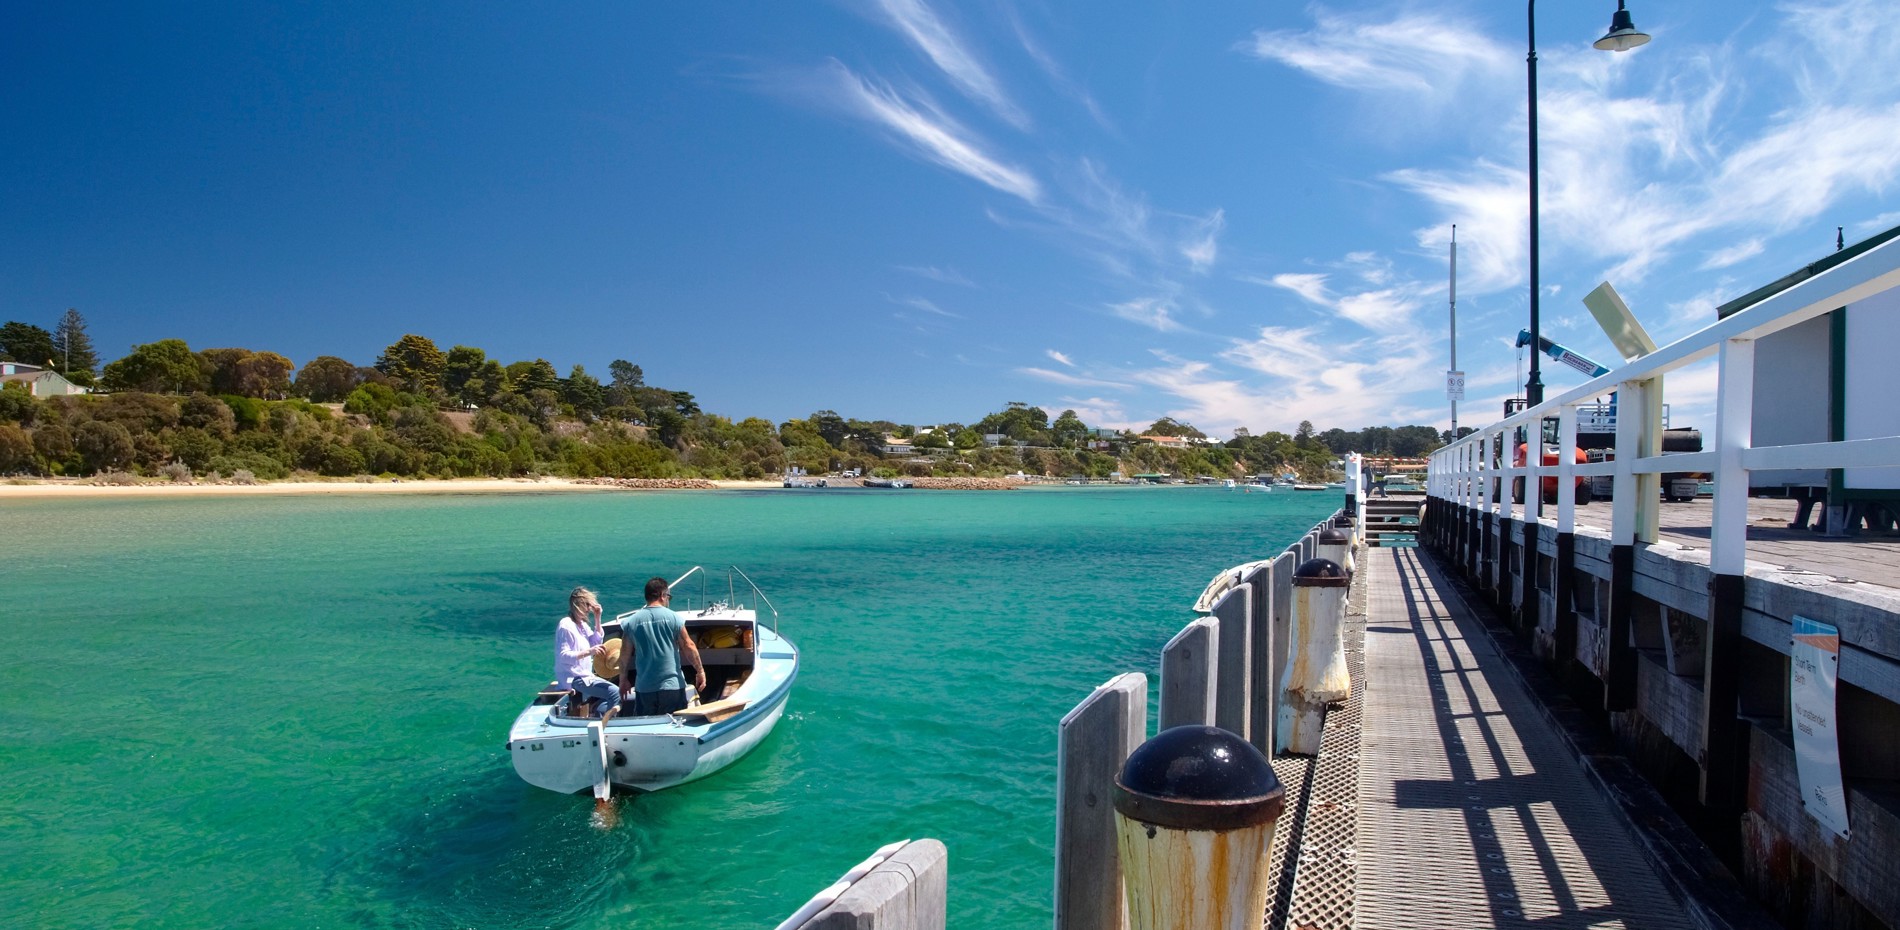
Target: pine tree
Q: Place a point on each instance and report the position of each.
(72, 349)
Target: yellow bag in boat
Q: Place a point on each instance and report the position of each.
(722, 637)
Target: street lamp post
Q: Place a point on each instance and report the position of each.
(1622, 37)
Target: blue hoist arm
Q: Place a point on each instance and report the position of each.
(1558, 353)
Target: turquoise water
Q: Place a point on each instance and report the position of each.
(290, 711)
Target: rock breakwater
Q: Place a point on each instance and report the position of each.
(965, 484)
(652, 484)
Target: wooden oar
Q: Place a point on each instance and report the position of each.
(605, 814)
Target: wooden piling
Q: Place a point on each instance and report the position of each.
(1234, 673)
(1269, 653)
(1188, 665)
(1092, 741)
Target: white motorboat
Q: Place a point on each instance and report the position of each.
(750, 668)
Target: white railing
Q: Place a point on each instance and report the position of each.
(1474, 471)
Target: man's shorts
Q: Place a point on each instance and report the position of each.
(654, 703)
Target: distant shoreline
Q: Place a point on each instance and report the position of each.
(55, 489)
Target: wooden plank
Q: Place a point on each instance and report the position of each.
(713, 712)
(1695, 603)
(1283, 568)
(1266, 672)
(1233, 680)
(908, 891)
(1671, 702)
(1724, 741)
(1868, 616)
(1092, 742)
(1188, 664)
(1859, 667)
(1863, 866)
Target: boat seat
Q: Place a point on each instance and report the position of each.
(711, 713)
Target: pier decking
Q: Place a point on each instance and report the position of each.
(1471, 811)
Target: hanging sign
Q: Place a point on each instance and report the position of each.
(1455, 385)
(1814, 668)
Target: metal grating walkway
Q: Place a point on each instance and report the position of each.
(1471, 812)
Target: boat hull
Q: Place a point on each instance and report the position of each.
(653, 753)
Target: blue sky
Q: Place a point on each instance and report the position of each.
(1232, 214)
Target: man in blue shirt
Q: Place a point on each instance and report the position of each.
(658, 637)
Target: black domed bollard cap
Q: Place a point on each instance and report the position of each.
(1320, 573)
(1344, 519)
(1198, 778)
(1334, 536)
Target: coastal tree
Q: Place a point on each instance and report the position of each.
(414, 364)
(16, 450)
(167, 366)
(489, 380)
(525, 378)
(830, 426)
(583, 392)
(626, 375)
(72, 348)
(54, 444)
(1019, 421)
(326, 379)
(1169, 426)
(104, 446)
(247, 373)
(461, 365)
(207, 413)
(24, 342)
(16, 403)
(1068, 431)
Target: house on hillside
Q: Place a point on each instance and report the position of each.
(897, 447)
(40, 382)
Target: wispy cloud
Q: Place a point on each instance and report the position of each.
(940, 275)
(1203, 242)
(916, 21)
(931, 133)
(1061, 377)
(1415, 53)
(926, 305)
(1734, 254)
(1312, 287)
(1057, 74)
(1157, 313)
(1060, 358)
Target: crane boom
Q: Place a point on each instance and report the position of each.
(1558, 353)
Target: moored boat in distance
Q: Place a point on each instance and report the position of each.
(750, 668)
(1309, 487)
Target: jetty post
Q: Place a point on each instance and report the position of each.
(1270, 621)
(1232, 700)
(1195, 810)
(1335, 545)
(1092, 741)
(1316, 672)
(903, 886)
(1188, 673)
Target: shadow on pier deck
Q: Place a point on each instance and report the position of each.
(1472, 811)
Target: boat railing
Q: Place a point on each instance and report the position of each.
(705, 601)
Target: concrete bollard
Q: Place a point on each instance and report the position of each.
(1336, 544)
(1346, 522)
(1195, 809)
(1316, 673)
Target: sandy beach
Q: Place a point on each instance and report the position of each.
(55, 489)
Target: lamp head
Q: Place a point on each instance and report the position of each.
(1623, 34)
